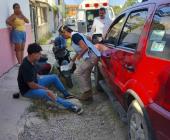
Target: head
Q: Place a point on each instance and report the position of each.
(102, 13)
(60, 31)
(34, 52)
(65, 31)
(16, 8)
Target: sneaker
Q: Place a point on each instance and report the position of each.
(77, 109)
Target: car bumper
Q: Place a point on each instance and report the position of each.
(160, 120)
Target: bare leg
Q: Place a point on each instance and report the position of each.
(18, 52)
(22, 51)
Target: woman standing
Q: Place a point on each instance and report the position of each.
(88, 54)
(18, 35)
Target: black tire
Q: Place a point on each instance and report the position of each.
(138, 126)
(97, 78)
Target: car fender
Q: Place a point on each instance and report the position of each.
(138, 91)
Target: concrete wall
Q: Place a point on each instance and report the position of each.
(7, 53)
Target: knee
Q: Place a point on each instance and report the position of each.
(54, 77)
(22, 49)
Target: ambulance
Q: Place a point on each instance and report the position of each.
(88, 10)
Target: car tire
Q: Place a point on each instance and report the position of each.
(137, 123)
(97, 78)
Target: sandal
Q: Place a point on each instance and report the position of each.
(69, 96)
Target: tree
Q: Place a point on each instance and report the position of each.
(117, 9)
(129, 3)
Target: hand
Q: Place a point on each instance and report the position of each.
(70, 65)
(51, 95)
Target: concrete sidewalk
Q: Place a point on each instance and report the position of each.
(10, 109)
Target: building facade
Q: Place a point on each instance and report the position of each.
(71, 10)
(7, 53)
(43, 17)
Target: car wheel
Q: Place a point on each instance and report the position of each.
(137, 124)
(97, 78)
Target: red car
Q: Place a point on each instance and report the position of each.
(135, 63)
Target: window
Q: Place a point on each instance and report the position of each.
(159, 40)
(132, 29)
(42, 15)
(91, 14)
(81, 15)
(113, 35)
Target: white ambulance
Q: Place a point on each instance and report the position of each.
(88, 10)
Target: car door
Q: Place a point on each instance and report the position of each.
(126, 55)
(107, 68)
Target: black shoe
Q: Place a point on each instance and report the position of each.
(16, 95)
(77, 109)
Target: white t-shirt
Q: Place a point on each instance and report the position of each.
(100, 26)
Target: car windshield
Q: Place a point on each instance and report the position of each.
(159, 41)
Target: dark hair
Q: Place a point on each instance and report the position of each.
(15, 4)
(60, 29)
(102, 9)
(66, 28)
(34, 48)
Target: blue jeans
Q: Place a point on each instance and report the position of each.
(47, 80)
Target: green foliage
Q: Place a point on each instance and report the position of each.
(55, 9)
(129, 3)
(44, 39)
(45, 110)
(117, 9)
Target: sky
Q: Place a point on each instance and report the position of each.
(112, 2)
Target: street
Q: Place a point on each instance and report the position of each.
(98, 122)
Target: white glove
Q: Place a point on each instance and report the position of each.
(67, 67)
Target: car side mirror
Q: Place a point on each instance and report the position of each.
(110, 40)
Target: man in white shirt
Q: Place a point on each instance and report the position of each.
(101, 23)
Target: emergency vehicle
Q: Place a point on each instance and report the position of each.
(88, 10)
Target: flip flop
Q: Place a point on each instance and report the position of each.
(69, 96)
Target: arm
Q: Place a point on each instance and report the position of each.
(34, 85)
(25, 19)
(84, 49)
(10, 20)
(74, 58)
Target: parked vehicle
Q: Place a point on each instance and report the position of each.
(136, 65)
(70, 21)
(62, 56)
(88, 10)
